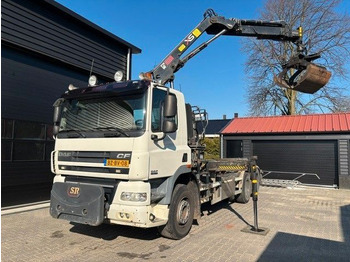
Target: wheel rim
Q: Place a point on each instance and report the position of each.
(183, 211)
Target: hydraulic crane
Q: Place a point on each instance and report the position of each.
(307, 77)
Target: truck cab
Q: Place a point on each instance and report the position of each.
(116, 146)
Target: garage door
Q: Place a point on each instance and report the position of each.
(319, 157)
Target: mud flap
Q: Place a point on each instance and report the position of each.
(309, 80)
(77, 203)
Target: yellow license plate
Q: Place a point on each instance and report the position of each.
(117, 163)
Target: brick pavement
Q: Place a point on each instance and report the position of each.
(305, 225)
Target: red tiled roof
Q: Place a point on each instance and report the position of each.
(337, 122)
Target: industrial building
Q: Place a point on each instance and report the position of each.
(46, 47)
(315, 148)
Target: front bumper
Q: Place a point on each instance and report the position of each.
(79, 203)
(86, 204)
(138, 216)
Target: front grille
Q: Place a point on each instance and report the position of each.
(81, 161)
(95, 169)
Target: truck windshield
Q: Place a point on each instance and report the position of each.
(111, 116)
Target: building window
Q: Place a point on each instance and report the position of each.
(6, 128)
(6, 150)
(49, 147)
(234, 148)
(25, 141)
(28, 150)
(29, 130)
(49, 132)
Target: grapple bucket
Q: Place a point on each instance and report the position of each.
(308, 80)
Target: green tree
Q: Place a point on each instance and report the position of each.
(212, 149)
(326, 31)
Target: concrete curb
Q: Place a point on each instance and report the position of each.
(24, 208)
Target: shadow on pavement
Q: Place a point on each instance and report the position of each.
(210, 209)
(345, 223)
(111, 232)
(291, 247)
(238, 215)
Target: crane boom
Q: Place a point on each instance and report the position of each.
(212, 24)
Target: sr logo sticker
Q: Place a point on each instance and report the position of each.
(73, 191)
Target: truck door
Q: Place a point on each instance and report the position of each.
(165, 154)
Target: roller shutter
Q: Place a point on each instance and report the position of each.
(310, 156)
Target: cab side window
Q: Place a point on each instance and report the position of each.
(157, 102)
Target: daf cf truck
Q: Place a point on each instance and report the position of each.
(130, 153)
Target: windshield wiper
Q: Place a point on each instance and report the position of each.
(113, 129)
(73, 130)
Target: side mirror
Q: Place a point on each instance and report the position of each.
(169, 113)
(170, 106)
(55, 129)
(169, 126)
(57, 115)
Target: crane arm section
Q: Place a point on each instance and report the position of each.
(213, 24)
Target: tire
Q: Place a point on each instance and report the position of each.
(246, 190)
(181, 213)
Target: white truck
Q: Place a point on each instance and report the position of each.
(129, 152)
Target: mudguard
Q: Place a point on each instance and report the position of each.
(79, 203)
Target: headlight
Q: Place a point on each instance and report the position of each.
(131, 196)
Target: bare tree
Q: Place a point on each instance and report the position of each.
(325, 31)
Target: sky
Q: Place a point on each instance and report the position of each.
(213, 80)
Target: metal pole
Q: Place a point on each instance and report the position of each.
(128, 65)
(255, 197)
(255, 229)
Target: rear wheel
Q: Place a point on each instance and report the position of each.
(181, 212)
(246, 190)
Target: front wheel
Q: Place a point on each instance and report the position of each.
(181, 213)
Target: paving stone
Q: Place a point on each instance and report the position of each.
(305, 225)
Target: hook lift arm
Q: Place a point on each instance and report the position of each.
(308, 77)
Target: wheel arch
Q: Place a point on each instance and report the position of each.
(181, 176)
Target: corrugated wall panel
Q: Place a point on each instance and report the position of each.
(58, 36)
(247, 152)
(30, 85)
(58, 33)
(344, 157)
